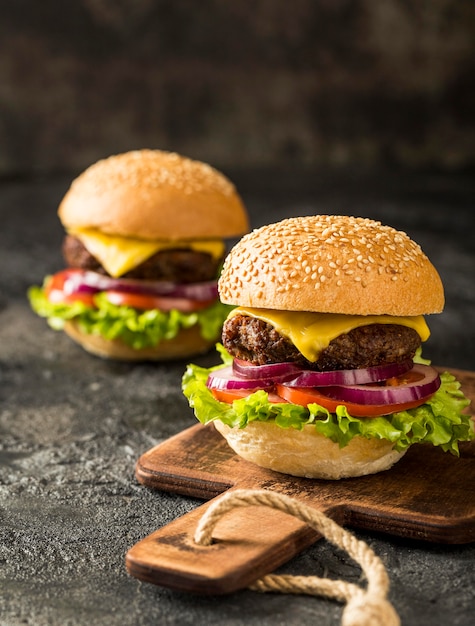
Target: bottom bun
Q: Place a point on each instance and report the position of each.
(307, 453)
(187, 343)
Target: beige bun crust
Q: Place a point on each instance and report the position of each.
(331, 264)
(151, 194)
(306, 453)
(187, 343)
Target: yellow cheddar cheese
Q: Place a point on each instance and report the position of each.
(119, 255)
(312, 332)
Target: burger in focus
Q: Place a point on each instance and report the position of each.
(322, 373)
(144, 245)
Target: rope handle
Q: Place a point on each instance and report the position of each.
(363, 608)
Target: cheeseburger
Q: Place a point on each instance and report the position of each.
(323, 375)
(144, 244)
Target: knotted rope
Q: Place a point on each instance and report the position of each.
(363, 608)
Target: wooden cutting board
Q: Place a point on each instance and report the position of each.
(428, 495)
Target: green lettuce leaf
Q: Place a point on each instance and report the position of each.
(440, 421)
(138, 329)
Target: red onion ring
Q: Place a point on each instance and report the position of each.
(92, 282)
(225, 378)
(426, 381)
(282, 371)
(309, 378)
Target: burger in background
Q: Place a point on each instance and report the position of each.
(145, 241)
(323, 375)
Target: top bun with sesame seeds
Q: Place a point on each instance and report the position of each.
(152, 194)
(331, 264)
(145, 241)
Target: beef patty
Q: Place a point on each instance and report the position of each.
(179, 265)
(258, 342)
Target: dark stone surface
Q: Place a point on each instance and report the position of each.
(72, 427)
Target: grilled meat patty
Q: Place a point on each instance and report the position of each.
(258, 342)
(179, 265)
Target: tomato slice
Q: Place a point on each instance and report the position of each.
(309, 395)
(229, 395)
(56, 296)
(55, 293)
(164, 303)
(56, 282)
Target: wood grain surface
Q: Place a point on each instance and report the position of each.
(428, 495)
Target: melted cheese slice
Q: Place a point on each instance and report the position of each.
(312, 332)
(119, 255)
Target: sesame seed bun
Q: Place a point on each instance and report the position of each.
(331, 264)
(307, 453)
(188, 342)
(151, 194)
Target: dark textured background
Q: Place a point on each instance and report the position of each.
(307, 83)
